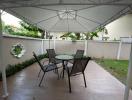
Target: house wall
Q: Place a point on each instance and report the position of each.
(97, 49)
(121, 27)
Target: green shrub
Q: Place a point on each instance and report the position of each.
(12, 69)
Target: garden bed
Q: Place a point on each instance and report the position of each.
(12, 69)
(117, 68)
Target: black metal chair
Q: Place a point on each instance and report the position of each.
(51, 54)
(78, 68)
(79, 54)
(45, 68)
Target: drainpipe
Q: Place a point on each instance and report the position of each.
(5, 93)
(129, 75)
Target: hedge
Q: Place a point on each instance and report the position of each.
(12, 69)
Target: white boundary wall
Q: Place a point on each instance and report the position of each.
(29, 44)
(98, 49)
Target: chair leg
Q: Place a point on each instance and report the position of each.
(41, 80)
(55, 71)
(63, 73)
(39, 72)
(69, 83)
(58, 74)
(84, 80)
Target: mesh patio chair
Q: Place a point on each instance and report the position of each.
(78, 68)
(79, 54)
(51, 54)
(45, 68)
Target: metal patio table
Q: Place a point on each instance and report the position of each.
(65, 59)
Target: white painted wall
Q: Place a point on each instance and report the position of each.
(68, 47)
(56, 35)
(121, 27)
(29, 44)
(96, 49)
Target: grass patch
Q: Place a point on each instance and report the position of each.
(117, 68)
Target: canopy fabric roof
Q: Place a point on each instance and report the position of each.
(67, 15)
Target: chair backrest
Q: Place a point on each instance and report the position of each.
(79, 54)
(79, 65)
(36, 58)
(51, 54)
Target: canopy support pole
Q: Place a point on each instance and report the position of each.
(129, 75)
(54, 43)
(85, 53)
(49, 40)
(42, 46)
(119, 50)
(4, 83)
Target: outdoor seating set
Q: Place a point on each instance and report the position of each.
(73, 65)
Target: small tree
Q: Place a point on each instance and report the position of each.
(26, 29)
(90, 35)
(30, 28)
(103, 30)
(72, 36)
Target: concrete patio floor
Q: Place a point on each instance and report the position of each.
(100, 85)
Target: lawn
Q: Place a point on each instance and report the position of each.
(117, 68)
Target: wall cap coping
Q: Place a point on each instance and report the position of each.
(31, 38)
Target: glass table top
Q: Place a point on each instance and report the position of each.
(64, 57)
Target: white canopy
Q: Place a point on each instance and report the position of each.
(67, 15)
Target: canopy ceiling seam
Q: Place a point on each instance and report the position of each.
(45, 8)
(117, 15)
(114, 17)
(82, 26)
(87, 19)
(91, 1)
(22, 3)
(46, 19)
(67, 23)
(57, 4)
(87, 7)
(58, 15)
(70, 9)
(55, 24)
(6, 1)
(113, 1)
(97, 5)
(35, 1)
(60, 1)
(24, 18)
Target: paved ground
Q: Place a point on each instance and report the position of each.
(100, 86)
